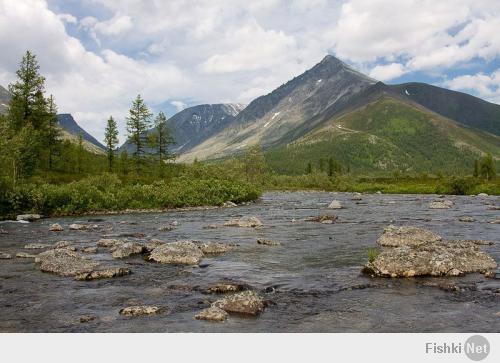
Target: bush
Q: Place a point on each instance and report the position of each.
(457, 186)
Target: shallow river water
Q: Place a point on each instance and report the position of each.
(312, 283)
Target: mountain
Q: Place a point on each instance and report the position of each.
(388, 133)
(4, 99)
(193, 125)
(269, 119)
(68, 123)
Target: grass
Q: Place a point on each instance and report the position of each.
(372, 254)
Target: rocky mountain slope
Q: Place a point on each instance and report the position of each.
(68, 123)
(194, 125)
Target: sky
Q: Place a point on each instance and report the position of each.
(97, 55)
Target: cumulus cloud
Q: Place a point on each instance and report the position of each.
(486, 86)
(387, 71)
(179, 105)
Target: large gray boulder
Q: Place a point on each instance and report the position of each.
(406, 236)
(28, 217)
(212, 313)
(64, 262)
(246, 222)
(181, 252)
(128, 249)
(246, 302)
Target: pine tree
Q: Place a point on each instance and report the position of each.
(111, 140)
(138, 123)
(53, 132)
(162, 138)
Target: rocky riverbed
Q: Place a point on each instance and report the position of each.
(285, 264)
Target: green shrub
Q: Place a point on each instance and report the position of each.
(372, 254)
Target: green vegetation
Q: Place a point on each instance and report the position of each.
(372, 254)
(111, 140)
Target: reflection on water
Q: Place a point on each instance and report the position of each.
(312, 282)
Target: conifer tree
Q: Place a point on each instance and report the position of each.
(111, 140)
(138, 123)
(161, 138)
(53, 132)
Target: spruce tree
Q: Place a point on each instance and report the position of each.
(111, 140)
(162, 138)
(138, 123)
(53, 134)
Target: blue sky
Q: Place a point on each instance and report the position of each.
(97, 55)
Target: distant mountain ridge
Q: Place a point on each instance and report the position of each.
(68, 123)
(193, 125)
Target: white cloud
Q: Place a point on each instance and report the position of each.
(486, 86)
(387, 71)
(68, 18)
(179, 105)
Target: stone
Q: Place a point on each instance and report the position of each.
(28, 217)
(89, 249)
(246, 303)
(86, 318)
(25, 255)
(5, 256)
(180, 252)
(378, 192)
(335, 204)
(152, 244)
(64, 262)
(103, 274)
(438, 258)
(61, 244)
(439, 205)
(482, 195)
(325, 219)
(210, 226)
(495, 221)
(229, 204)
(82, 227)
(166, 228)
(174, 223)
(406, 236)
(491, 207)
(245, 222)
(140, 310)
(212, 313)
(225, 287)
(268, 242)
(214, 248)
(109, 242)
(467, 219)
(36, 246)
(357, 197)
(56, 227)
(128, 249)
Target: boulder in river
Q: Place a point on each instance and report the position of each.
(180, 252)
(5, 256)
(128, 249)
(140, 310)
(64, 262)
(61, 244)
(445, 204)
(268, 242)
(335, 204)
(325, 219)
(495, 221)
(152, 244)
(82, 227)
(467, 219)
(36, 246)
(110, 242)
(482, 195)
(246, 222)
(433, 257)
(86, 318)
(103, 274)
(89, 249)
(212, 313)
(166, 228)
(25, 255)
(246, 302)
(229, 204)
(56, 227)
(225, 287)
(214, 248)
(28, 217)
(406, 236)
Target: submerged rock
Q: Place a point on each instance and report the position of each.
(110, 242)
(406, 236)
(128, 249)
(467, 219)
(445, 204)
(268, 242)
(82, 227)
(86, 318)
(225, 287)
(212, 313)
(5, 256)
(28, 217)
(89, 249)
(64, 262)
(214, 248)
(25, 255)
(56, 227)
(245, 222)
(61, 244)
(181, 252)
(103, 274)
(335, 204)
(166, 228)
(140, 310)
(325, 219)
(437, 258)
(36, 246)
(246, 302)
(152, 244)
